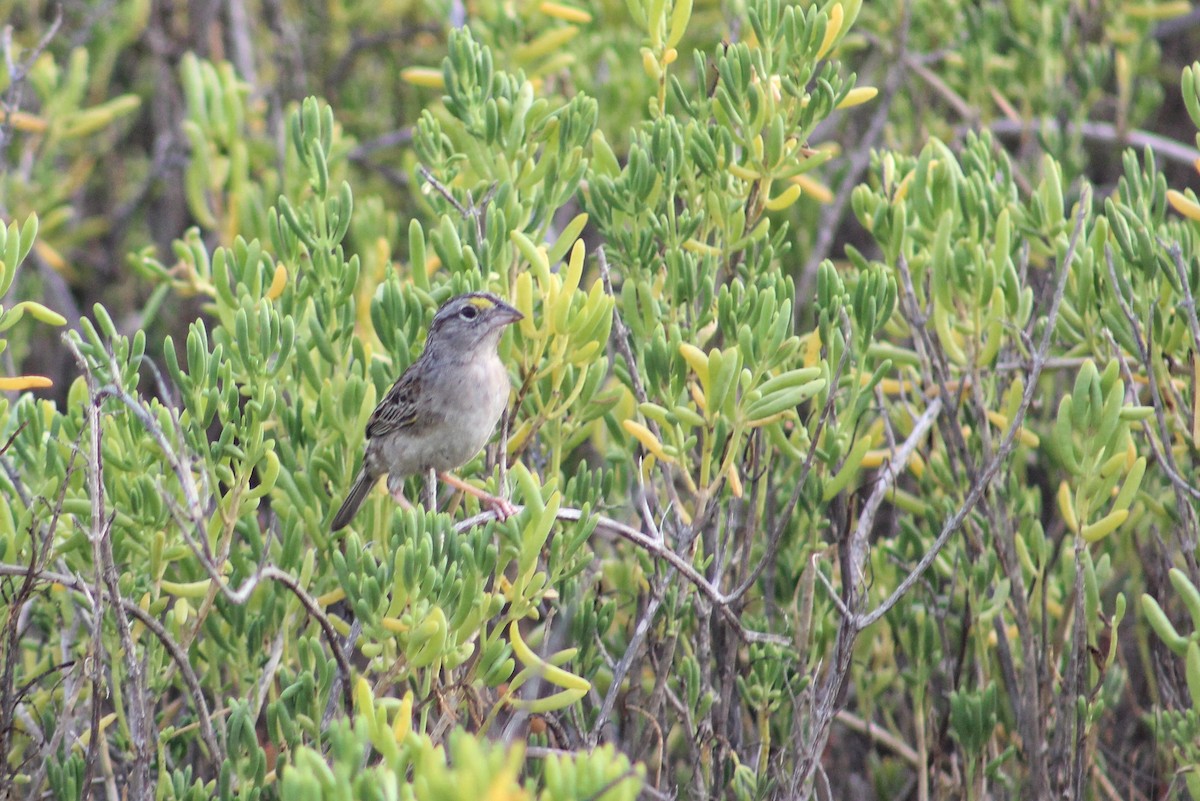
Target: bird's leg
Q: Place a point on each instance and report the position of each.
(431, 490)
(396, 490)
(501, 506)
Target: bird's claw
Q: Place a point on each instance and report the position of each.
(503, 508)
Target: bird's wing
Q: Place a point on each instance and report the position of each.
(399, 407)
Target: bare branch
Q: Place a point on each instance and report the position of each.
(866, 519)
(203, 715)
(881, 736)
(195, 519)
(1099, 131)
(645, 620)
(1189, 301)
(142, 785)
(660, 550)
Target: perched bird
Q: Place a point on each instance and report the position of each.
(443, 408)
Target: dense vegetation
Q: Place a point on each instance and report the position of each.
(855, 421)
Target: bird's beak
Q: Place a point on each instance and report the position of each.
(507, 315)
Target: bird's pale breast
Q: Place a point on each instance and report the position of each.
(474, 396)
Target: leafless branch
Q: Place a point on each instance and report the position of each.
(1099, 131)
(444, 191)
(859, 541)
(194, 519)
(660, 550)
(204, 717)
(100, 533)
(1189, 301)
(632, 651)
(881, 736)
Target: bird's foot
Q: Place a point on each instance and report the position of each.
(501, 507)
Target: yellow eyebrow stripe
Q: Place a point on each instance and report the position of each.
(481, 303)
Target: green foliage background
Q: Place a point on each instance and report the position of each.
(855, 423)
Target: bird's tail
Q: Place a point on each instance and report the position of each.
(358, 493)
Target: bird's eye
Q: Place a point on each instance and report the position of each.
(469, 313)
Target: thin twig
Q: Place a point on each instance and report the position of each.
(142, 785)
(443, 190)
(1189, 301)
(660, 550)
(18, 603)
(834, 595)
(632, 651)
(881, 736)
(1102, 132)
(1076, 680)
(619, 336)
(272, 573)
(935, 357)
(866, 520)
(203, 715)
(1053, 363)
